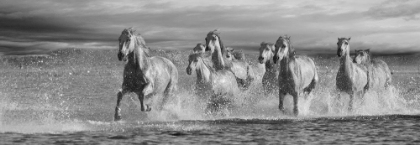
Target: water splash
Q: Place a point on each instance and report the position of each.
(81, 96)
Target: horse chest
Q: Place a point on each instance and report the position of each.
(133, 79)
(344, 81)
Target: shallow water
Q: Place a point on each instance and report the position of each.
(70, 97)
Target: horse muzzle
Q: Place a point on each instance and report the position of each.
(339, 53)
(189, 70)
(261, 59)
(120, 56)
(275, 59)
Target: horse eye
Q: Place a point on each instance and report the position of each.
(346, 43)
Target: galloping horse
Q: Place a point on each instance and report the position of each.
(270, 77)
(240, 70)
(219, 85)
(151, 78)
(379, 74)
(297, 74)
(351, 77)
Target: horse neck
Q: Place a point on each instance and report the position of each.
(285, 62)
(203, 73)
(217, 58)
(346, 62)
(270, 66)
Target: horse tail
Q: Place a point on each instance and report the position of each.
(315, 79)
(172, 87)
(389, 74)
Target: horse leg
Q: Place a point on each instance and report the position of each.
(117, 115)
(281, 99)
(351, 95)
(295, 103)
(169, 91)
(146, 92)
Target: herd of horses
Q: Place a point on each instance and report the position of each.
(222, 72)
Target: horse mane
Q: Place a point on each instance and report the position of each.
(291, 51)
(139, 40)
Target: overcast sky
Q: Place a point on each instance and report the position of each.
(382, 25)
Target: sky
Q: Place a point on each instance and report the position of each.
(384, 26)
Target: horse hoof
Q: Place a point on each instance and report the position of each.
(148, 108)
(117, 118)
(295, 112)
(281, 108)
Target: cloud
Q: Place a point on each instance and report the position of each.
(406, 9)
(167, 24)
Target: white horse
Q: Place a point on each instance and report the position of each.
(351, 77)
(297, 74)
(152, 78)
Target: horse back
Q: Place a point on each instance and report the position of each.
(164, 71)
(379, 74)
(380, 64)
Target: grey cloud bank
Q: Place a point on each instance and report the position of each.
(37, 26)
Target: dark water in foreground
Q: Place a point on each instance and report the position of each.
(69, 97)
(391, 129)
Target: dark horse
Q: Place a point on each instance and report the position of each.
(151, 78)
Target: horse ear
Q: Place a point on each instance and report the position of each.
(349, 38)
(368, 50)
(288, 37)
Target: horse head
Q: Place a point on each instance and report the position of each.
(229, 53)
(199, 48)
(266, 52)
(362, 56)
(129, 42)
(283, 48)
(343, 46)
(192, 62)
(213, 41)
